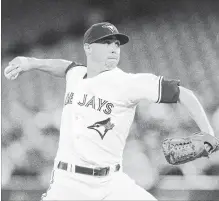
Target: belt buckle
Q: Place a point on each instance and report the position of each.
(105, 171)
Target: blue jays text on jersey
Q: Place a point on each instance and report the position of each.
(91, 101)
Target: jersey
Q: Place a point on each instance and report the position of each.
(98, 113)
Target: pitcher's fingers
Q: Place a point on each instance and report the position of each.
(15, 71)
(8, 76)
(9, 68)
(14, 76)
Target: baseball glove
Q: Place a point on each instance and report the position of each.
(182, 150)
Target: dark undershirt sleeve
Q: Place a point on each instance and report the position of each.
(169, 91)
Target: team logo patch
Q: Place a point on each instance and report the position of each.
(102, 127)
(110, 27)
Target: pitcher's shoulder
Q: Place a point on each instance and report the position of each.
(74, 65)
(76, 69)
(120, 73)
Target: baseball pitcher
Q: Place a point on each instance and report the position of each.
(98, 110)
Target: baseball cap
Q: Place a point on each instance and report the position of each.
(104, 30)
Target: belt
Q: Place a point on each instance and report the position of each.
(85, 170)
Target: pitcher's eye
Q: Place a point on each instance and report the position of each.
(117, 43)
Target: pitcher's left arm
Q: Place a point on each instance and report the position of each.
(161, 90)
(172, 92)
(188, 99)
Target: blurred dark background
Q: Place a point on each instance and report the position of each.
(175, 38)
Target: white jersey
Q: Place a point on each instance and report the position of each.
(98, 113)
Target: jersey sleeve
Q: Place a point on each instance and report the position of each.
(154, 88)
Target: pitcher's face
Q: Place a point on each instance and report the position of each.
(106, 51)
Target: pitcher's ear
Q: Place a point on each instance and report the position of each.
(87, 48)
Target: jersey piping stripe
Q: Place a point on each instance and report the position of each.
(160, 89)
(72, 65)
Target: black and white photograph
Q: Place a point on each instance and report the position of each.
(110, 100)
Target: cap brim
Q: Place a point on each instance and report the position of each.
(121, 37)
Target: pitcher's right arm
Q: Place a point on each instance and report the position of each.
(18, 65)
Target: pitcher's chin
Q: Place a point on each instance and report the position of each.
(111, 64)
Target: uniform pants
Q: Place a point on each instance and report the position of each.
(74, 186)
